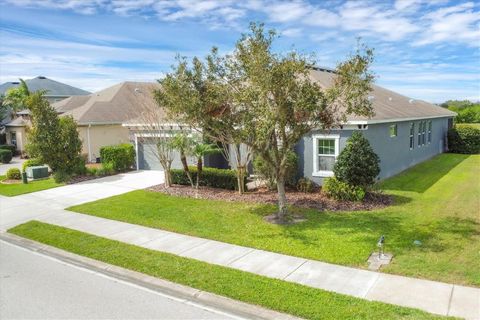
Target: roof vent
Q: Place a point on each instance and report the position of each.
(370, 98)
(410, 101)
(390, 99)
(137, 90)
(15, 82)
(41, 77)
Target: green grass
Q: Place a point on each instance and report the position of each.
(279, 295)
(437, 202)
(11, 190)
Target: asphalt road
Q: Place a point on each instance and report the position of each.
(37, 286)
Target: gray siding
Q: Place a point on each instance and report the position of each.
(394, 152)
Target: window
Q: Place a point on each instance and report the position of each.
(393, 130)
(429, 131)
(13, 138)
(412, 135)
(424, 131)
(419, 142)
(325, 154)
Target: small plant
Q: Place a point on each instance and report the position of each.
(107, 169)
(5, 156)
(10, 147)
(14, 174)
(305, 185)
(342, 191)
(31, 163)
(92, 171)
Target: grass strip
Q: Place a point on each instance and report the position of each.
(274, 294)
(11, 190)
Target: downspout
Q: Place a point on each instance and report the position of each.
(88, 143)
(136, 152)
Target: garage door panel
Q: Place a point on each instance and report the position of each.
(148, 160)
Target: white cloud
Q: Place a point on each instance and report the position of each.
(285, 11)
(292, 32)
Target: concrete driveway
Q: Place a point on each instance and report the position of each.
(22, 208)
(15, 163)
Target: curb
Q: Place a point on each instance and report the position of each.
(235, 307)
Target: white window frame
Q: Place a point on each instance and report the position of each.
(429, 131)
(316, 137)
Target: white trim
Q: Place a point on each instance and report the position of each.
(354, 122)
(89, 145)
(136, 152)
(315, 137)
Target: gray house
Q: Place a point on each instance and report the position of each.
(403, 132)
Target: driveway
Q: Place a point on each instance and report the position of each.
(15, 163)
(19, 209)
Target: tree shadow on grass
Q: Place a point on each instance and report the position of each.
(422, 176)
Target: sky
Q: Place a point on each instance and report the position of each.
(424, 49)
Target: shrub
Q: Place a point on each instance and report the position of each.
(121, 156)
(31, 163)
(10, 147)
(266, 171)
(357, 165)
(61, 176)
(211, 177)
(92, 171)
(339, 190)
(305, 185)
(5, 156)
(105, 170)
(14, 174)
(464, 139)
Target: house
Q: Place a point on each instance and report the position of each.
(403, 132)
(55, 91)
(100, 115)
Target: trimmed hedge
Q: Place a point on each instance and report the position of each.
(10, 147)
(211, 177)
(14, 174)
(342, 191)
(464, 139)
(121, 156)
(5, 156)
(33, 162)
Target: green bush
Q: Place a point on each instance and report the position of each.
(266, 171)
(5, 156)
(92, 171)
(121, 156)
(211, 177)
(105, 170)
(464, 139)
(357, 165)
(31, 163)
(61, 176)
(14, 174)
(339, 190)
(10, 147)
(305, 185)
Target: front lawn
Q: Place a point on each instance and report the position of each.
(11, 190)
(275, 294)
(436, 202)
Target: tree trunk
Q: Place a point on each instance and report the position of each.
(199, 171)
(282, 213)
(183, 158)
(240, 179)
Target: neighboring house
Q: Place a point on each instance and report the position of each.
(100, 115)
(55, 91)
(403, 132)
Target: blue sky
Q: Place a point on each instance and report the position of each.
(425, 49)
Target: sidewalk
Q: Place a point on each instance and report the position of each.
(431, 296)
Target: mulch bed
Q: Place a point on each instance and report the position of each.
(78, 179)
(315, 200)
(5, 181)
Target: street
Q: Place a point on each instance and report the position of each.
(33, 285)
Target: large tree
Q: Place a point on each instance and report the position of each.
(268, 100)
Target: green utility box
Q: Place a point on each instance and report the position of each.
(37, 172)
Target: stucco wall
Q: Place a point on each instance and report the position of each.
(101, 135)
(394, 152)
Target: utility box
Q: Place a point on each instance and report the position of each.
(37, 172)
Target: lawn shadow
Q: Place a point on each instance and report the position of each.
(422, 176)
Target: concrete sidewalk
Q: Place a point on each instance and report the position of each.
(46, 206)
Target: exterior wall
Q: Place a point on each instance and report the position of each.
(101, 135)
(21, 137)
(394, 152)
